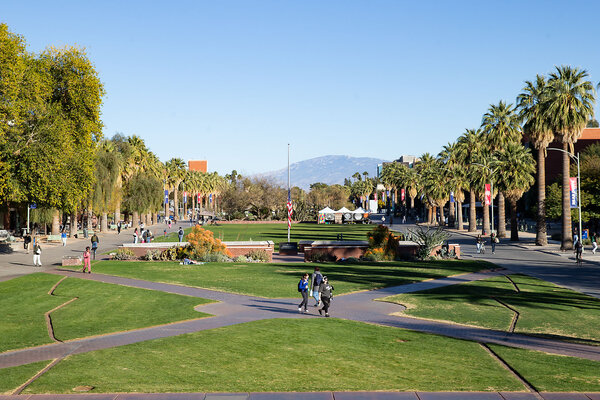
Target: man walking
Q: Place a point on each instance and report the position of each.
(315, 281)
(119, 228)
(326, 296)
(594, 242)
(37, 254)
(63, 237)
(95, 242)
(303, 289)
(180, 234)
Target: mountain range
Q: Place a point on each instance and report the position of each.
(329, 169)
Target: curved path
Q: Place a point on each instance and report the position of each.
(234, 309)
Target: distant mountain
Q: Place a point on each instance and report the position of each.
(326, 169)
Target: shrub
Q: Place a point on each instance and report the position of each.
(123, 253)
(214, 257)
(259, 255)
(382, 240)
(377, 254)
(378, 236)
(241, 259)
(202, 242)
(349, 260)
(321, 257)
(428, 240)
(152, 255)
(169, 254)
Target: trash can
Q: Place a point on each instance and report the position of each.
(85, 232)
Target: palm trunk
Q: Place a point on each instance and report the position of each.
(395, 202)
(451, 218)
(501, 215)
(486, 217)
(176, 201)
(472, 212)
(429, 213)
(117, 214)
(460, 216)
(541, 236)
(135, 220)
(442, 219)
(73, 230)
(55, 223)
(514, 227)
(412, 203)
(567, 237)
(89, 218)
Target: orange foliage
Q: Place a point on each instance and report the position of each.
(203, 242)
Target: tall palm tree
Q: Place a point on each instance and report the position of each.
(468, 146)
(569, 104)
(516, 168)
(450, 156)
(176, 173)
(536, 128)
(501, 125)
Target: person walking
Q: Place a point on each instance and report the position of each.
(594, 242)
(119, 228)
(63, 237)
(135, 236)
(303, 289)
(26, 242)
(180, 234)
(95, 242)
(315, 281)
(493, 241)
(578, 252)
(478, 242)
(326, 290)
(575, 237)
(87, 264)
(37, 254)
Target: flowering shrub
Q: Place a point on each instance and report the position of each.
(383, 244)
(259, 255)
(124, 254)
(202, 243)
(377, 254)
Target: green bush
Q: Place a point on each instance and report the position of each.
(259, 255)
(321, 257)
(123, 253)
(214, 257)
(152, 255)
(169, 254)
(239, 259)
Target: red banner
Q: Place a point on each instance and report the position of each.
(488, 194)
(401, 194)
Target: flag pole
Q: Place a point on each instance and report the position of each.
(289, 193)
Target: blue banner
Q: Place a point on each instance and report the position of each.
(573, 192)
(166, 196)
(451, 197)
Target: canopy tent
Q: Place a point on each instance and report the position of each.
(327, 210)
(325, 214)
(343, 210)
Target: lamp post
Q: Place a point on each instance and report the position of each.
(491, 189)
(576, 157)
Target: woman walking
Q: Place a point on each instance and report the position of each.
(493, 241)
(325, 289)
(303, 289)
(594, 242)
(315, 280)
(86, 261)
(37, 254)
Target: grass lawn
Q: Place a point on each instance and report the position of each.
(312, 354)
(13, 377)
(100, 308)
(545, 309)
(280, 279)
(552, 373)
(278, 232)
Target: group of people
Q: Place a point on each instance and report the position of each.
(480, 243)
(319, 288)
(144, 235)
(578, 245)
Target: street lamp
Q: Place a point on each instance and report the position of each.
(491, 189)
(576, 157)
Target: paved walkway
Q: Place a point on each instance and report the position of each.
(318, 396)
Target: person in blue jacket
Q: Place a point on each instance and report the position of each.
(303, 289)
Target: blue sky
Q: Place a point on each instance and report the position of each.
(234, 81)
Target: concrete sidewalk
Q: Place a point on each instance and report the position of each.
(317, 396)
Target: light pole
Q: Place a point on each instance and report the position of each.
(576, 157)
(491, 190)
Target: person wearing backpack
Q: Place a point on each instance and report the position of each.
(95, 242)
(303, 289)
(37, 254)
(315, 281)
(326, 295)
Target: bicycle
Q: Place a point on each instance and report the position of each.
(578, 257)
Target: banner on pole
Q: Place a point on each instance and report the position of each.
(290, 208)
(210, 198)
(166, 196)
(488, 194)
(199, 198)
(401, 194)
(573, 192)
(184, 197)
(451, 197)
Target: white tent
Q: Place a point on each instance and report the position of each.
(326, 210)
(343, 210)
(359, 210)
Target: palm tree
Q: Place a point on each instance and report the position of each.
(568, 104)
(176, 173)
(501, 126)
(516, 168)
(469, 144)
(453, 162)
(537, 130)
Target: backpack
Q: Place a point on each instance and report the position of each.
(318, 279)
(299, 283)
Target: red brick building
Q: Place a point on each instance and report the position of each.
(554, 158)
(198, 165)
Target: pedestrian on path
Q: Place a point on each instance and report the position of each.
(326, 295)
(315, 281)
(578, 251)
(493, 241)
(594, 242)
(95, 242)
(37, 254)
(303, 289)
(87, 264)
(180, 234)
(63, 237)
(478, 242)
(26, 242)
(135, 235)
(575, 237)
(119, 228)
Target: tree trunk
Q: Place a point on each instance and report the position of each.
(486, 217)
(541, 236)
(104, 222)
(429, 213)
(442, 221)
(567, 237)
(514, 227)
(176, 207)
(412, 203)
(73, 230)
(460, 216)
(501, 216)
(155, 218)
(472, 212)
(118, 213)
(55, 223)
(89, 218)
(451, 213)
(135, 220)
(149, 219)
(395, 202)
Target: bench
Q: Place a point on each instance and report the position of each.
(113, 227)
(53, 238)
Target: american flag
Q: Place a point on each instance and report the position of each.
(289, 208)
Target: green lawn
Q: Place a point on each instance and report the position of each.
(545, 309)
(13, 377)
(552, 373)
(280, 279)
(278, 232)
(312, 354)
(100, 308)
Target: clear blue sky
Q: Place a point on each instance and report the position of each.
(234, 81)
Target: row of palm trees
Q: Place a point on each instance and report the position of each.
(556, 107)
